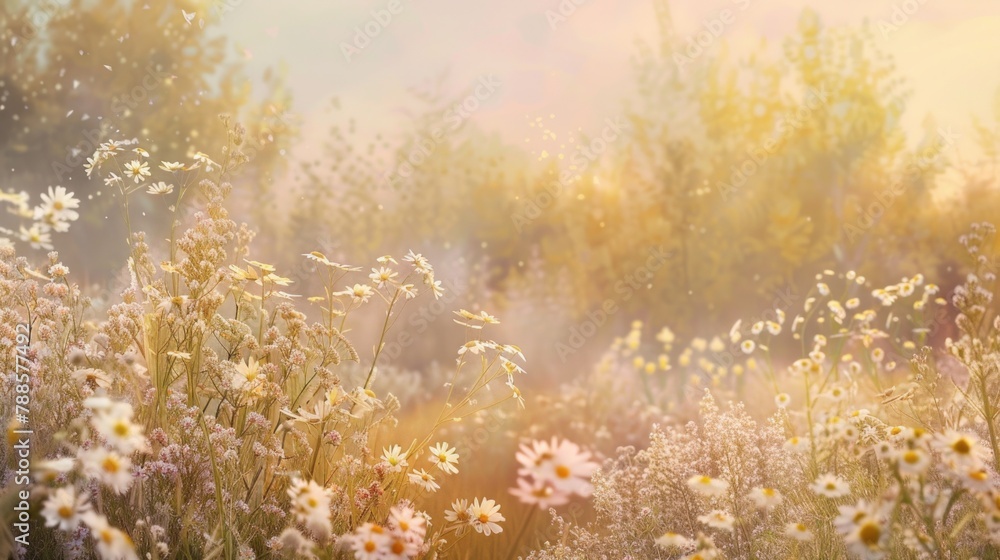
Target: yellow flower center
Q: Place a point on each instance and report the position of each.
(65, 512)
(911, 457)
(370, 546)
(483, 518)
(870, 534)
(397, 547)
(121, 428)
(962, 447)
(111, 465)
(562, 471)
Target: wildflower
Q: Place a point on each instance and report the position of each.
(748, 346)
(408, 291)
(248, 378)
(539, 493)
(59, 204)
(37, 237)
(380, 276)
(913, 461)
(905, 289)
(459, 512)
(831, 486)
(420, 263)
(424, 479)
(108, 467)
(92, 377)
(670, 540)
(473, 346)
(169, 304)
(836, 393)
(716, 345)
(396, 458)
(867, 539)
(112, 543)
(369, 542)
(63, 509)
(50, 470)
(444, 458)
(406, 520)
(486, 516)
(361, 293)
(718, 519)
(851, 516)
(796, 443)
(976, 478)
(137, 170)
(311, 506)
(320, 258)
(782, 400)
(171, 166)
(436, 288)
(798, 531)
(159, 188)
(561, 463)
(116, 427)
(707, 485)
(957, 447)
(666, 336)
(766, 498)
(203, 158)
(320, 412)
(773, 328)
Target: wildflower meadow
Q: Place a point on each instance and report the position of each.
(654, 280)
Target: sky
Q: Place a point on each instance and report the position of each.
(578, 69)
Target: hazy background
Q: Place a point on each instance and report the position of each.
(580, 70)
(317, 176)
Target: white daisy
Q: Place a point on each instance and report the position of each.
(444, 458)
(424, 479)
(63, 509)
(486, 516)
(396, 458)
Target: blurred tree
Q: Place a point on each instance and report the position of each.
(75, 73)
